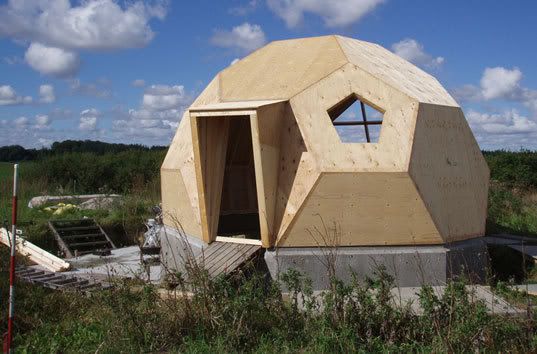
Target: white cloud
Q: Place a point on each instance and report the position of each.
(245, 37)
(164, 97)
(413, 51)
(156, 119)
(8, 96)
(21, 122)
(42, 121)
(138, 83)
(334, 13)
(94, 25)
(500, 82)
(57, 30)
(46, 94)
(88, 119)
(509, 122)
(52, 61)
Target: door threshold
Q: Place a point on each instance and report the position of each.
(244, 241)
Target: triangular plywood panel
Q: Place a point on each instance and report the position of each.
(264, 75)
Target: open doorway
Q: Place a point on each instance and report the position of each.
(239, 212)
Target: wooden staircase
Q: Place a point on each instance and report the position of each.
(79, 237)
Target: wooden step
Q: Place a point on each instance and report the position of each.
(85, 232)
(86, 244)
(74, 236)
(225, 257)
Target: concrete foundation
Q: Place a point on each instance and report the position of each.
(176, 248)
(409, 265)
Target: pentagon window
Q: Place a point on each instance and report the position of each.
(356, 121)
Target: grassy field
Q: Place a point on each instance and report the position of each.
(246, 313)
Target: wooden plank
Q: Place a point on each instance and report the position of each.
(105, 234)
(240, 257)
(34, 253)
(63, 246)
(233, 106)
(210, 137)
(208, 251)
(226, 251)
(233, 251)
(246, 241)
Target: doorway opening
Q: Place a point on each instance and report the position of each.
(239, 211)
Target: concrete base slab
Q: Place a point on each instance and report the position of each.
(176, 248)
(409, 265)
(122, 263)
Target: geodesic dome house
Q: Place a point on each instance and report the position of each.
(325, 132)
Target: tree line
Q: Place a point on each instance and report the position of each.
(17, 153)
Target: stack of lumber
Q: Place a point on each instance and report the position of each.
(34, 253)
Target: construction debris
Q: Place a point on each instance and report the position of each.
(52, 280)
(37, 202)
(34, 253)
(79, 237)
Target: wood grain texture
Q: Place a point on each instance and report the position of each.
(281, 69)
(366, 209)
(450, 172)
(210, 140)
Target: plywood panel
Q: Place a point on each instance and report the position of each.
(210, 138)
(281, 69)
(391, 153)
(365, 209)
(450, 172)
(395, 71)
(180, 159)
(178, 211)
(266, 130)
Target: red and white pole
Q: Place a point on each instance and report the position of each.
(12, 262)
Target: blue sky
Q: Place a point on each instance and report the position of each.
(123, 71)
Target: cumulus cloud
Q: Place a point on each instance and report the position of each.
(46, 94)
(138, 83)
(93, 25)
(246, 37)
(88, 119)
(334, 13)
(164, 97)
(505, 127)
(157, 117)
(8, 96)
(42, 121)
(21, 122)
(500, 82)
(52, 61)
(508, 122)
(413, 51)
(57, 30)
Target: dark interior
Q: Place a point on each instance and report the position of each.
(239, 214)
